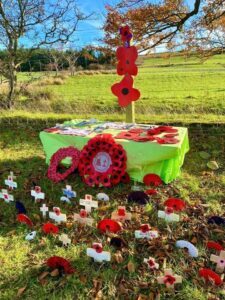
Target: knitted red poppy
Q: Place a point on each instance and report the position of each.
(50, 228)
(152, 179)
(127, 58)
(102, 161)
(22, 218)
(125, 92)
(57, 262)
(209, 275)
(57, 157)
(214, 245)
(109, 225)
(125, 33)
(176, 204)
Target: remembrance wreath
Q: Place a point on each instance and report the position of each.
(57, 157)
(102, 162)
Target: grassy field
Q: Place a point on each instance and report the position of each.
(173, 89)
(22, 263)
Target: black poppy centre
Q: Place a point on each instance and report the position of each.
(125, 91)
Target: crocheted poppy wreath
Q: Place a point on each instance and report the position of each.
(102, 162)
(58, 156)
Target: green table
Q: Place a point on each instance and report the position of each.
(143, 157)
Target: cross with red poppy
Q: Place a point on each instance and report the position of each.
(169, 279)
(121, 214)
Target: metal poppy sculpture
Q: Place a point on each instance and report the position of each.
(127, 56)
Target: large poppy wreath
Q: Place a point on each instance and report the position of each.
(57, 157)
(102, 161)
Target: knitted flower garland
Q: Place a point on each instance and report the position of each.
(57, 157)
(102, 162)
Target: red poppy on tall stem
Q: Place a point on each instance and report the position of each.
(125, 33)
(125, 92)
(126, 61)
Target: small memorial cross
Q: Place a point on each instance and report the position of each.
(97, 253)
(88, 203)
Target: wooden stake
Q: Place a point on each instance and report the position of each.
(130, 113)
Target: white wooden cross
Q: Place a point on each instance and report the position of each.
(98, 254)
(168, 215)
(68, 192)
(57, 216)
(219, 260)
(82, 218)
(146, 233)
(88, 203)
(121, 214)
(10, 183)
(151, 263)
(169, 279)
(65, 239)
(6, 196)
(44, 210)
(37, 193)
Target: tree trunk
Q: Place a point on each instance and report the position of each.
(12, 85)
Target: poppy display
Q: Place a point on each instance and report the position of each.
(109, 225)
(125, 92)
(22, 218)
(102, 161)
(126, 61)
(60, 263)
(50, 228)
(57, 157)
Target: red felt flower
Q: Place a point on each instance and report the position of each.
(22, 218)
(98, 247)
(102, 161)
(152, 179)
(109, 225)
(125, 91)
(151, 192)
(169, 279)
(145, 228)
(176, 204)
(57, 262)
(121, 212)
(83, 213)
(165, 140)
(125, 33)
(209, 275)
(127, 58)
(50, 228)
(57, 157)
(214, 245)
(126, 135)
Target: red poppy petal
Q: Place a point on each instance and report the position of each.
(60, 262)
(50, 228)
(109, 225)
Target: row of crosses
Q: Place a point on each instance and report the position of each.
(4, 194)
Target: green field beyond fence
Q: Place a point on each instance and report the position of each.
(172, 88)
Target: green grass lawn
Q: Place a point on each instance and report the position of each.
(174, 89)
(22, 263)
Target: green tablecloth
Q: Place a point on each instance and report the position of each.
(143, 157)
